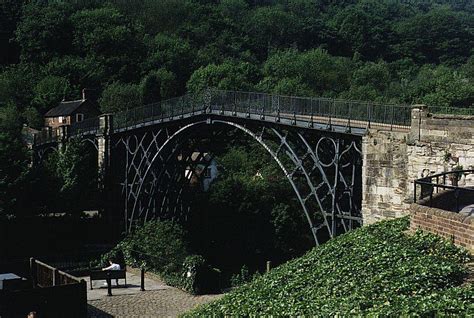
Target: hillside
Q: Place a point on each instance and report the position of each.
(376, 270)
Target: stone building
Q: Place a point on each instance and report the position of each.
(70, 112)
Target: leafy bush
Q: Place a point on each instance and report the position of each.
(376, 270)
(158, 246)
(240, 278)
(199, 277)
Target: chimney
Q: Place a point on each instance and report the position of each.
(88, 93)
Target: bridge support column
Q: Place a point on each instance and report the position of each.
(103, 159)
(63, 134)
(385, 180)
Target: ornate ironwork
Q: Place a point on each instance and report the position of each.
(322, 168)
(315, 141)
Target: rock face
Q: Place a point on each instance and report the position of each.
(393, 160)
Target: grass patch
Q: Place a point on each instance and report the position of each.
(375, 270)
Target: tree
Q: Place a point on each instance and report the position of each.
(157, 86)
(438, 36)
(111, 39)
(229, 75)
(10, 13)
(363, 28)
(172, 53)
(315, 69)
(49, 91)
(44, 31)
(81, 72)
(370, 82)
(118, 96)
(74, 169)
(440, 86)
(271, 28)
(14, 160)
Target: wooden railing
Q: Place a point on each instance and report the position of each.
(51, 293)
(47, 275)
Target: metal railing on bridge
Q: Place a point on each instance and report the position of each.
(309, 109)
(326, 111)
(312, 109)
(167, 109)
(88, 126)
(46, 136)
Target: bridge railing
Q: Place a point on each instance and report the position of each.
(86, 127)
(425, 188)
(46, 136)
(322, 110)
(167, 109)
(309, 108)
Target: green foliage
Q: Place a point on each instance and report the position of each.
(157, 86)
(14, 160)
(44, 31)
(70, 169)
(241, 278)
(228, 75)
(111, 38)
(198, 277)
(160, 247)
(314, 71)
(249, 215)
(157, 245)
(441, 35)
(49, 91)
(376, 270)
(118, 96)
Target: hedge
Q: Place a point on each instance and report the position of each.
(376, 270)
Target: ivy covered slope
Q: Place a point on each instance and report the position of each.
(377, 270)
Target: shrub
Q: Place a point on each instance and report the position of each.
(199, 277)
(158, 246)
(376, 270)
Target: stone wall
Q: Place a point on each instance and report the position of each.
(393, 160)
(438, 143)
(453, 226)
(384, 178)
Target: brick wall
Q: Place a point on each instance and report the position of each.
(453, 226)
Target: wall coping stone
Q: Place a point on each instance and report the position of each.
(421, 209)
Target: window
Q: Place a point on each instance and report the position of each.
(60, 119)
(79, 117)
(208, 172)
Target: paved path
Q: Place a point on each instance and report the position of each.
(158, 299)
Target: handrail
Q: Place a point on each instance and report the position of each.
(428, 186)
(333, 111)
(49, 275)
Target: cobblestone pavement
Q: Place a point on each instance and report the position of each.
(165, 301)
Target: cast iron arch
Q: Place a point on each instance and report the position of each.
(319, 192)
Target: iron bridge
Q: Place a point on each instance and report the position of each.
(147, 155)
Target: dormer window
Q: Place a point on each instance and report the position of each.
(79, 117)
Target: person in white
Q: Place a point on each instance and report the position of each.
(113, 267)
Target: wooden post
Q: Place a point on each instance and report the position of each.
(56, 277)
(83, 298)
(33, 272)
(269, 265)
(142, 279)
(109, 285)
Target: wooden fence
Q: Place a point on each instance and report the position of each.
(52, 293)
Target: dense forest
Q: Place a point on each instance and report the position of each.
(134, 52)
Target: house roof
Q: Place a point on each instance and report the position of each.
(64, 108)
